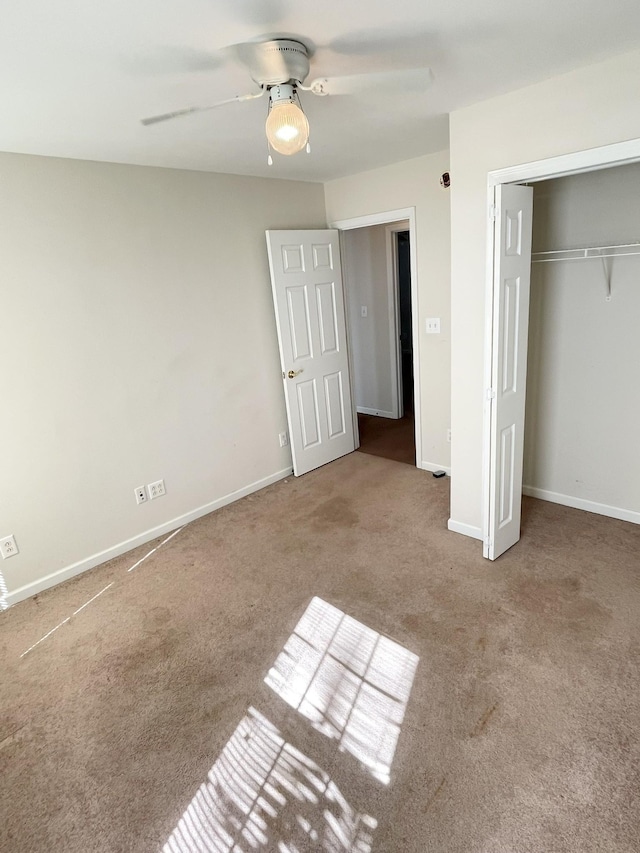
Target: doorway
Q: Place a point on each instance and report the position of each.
(379, 296)
(506, 342)
(394, 438)
(582, 417)
(403, 249)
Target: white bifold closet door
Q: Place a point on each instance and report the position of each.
(507, 394)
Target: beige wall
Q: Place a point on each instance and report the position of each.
(583, 408)
(593, 106)
(415, 183)
(139, 344)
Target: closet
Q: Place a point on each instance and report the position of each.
(582, 422)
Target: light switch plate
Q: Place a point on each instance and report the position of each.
(433, 325)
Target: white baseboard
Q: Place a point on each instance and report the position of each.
(581, 503)
(465, 529)
(116, 550)
(432, 466)
(364, 411)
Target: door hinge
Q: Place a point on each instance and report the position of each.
(493, 212)
(491, 393)
(284, 375)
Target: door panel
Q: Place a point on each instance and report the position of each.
(292, 259)
(334, 398)
(325, 294)
(306, 280)
(299, 323)
(309, 419)
(512, 273)
(322, 256)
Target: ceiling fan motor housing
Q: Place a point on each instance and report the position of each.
(279, 61)
(282, 92)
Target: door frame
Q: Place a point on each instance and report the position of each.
(391, 217)
(393, 291)
(574, 163)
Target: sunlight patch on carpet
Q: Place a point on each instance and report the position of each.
(4, 592)
(349, 681)
(263, 791)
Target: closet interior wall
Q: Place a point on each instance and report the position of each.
(583, 380)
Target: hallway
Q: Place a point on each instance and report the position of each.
(388, 438)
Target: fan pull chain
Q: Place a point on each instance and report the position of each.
(269, 157)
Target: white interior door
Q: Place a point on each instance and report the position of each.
(308, 297)
(511, 286)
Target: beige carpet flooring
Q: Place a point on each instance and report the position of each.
(144, 721)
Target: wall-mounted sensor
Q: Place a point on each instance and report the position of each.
(445, 180)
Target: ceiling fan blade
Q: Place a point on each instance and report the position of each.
(167, 116)
(173, 59)
(400, 41)
(189, 110)
(408, 81)
(263, 13)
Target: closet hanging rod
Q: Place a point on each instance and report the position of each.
(619, 251)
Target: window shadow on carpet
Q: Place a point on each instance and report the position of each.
(352, 685)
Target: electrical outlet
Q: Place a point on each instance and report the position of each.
(156, 490)
(284, 439)
(141, 494)
(449, 435)
(8, 547)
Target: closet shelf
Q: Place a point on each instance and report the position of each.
(587, 253)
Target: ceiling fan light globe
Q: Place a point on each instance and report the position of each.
(287, 133)
(287, 128)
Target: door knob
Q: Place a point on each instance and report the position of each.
(293, 373)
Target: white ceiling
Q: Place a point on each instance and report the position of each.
(77, 75)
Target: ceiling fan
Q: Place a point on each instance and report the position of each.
(280, 66)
